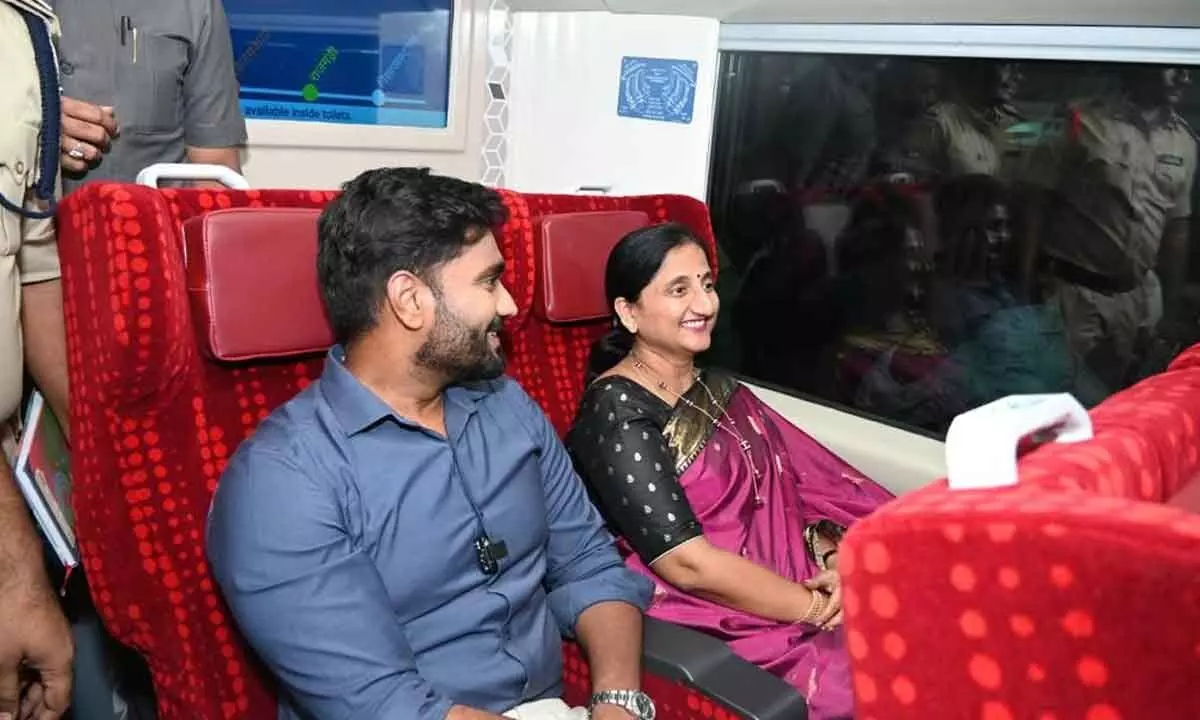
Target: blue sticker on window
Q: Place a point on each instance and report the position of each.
(658, 89)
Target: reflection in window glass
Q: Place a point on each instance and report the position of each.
(914, 237)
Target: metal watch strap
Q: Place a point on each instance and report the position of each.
(626, 699)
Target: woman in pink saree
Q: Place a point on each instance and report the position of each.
(734, 512)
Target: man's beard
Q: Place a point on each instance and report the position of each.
(459, 352)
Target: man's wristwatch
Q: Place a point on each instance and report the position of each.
(634, 702)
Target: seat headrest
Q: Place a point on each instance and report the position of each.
(252, 283)
(573, 250)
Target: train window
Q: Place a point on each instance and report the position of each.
(913, 237)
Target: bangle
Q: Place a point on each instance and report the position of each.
(815, 608)
(825, 558)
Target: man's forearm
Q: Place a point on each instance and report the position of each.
(20, 551)
(45, 332)
(611, 636)
(230, 157)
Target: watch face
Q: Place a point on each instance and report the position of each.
(645, 706)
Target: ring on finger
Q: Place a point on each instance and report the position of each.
(77, 151)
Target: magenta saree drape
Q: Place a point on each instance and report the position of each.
(801, 482)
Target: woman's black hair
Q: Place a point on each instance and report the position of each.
(631, 265)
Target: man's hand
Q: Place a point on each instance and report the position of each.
(35, 651)
(87, 131)
(829, 582)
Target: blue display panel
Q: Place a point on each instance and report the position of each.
(367, 62)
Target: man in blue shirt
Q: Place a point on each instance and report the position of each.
(407, 539)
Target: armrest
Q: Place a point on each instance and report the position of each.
(703, 662)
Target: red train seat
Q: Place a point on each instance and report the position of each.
(1073, 594)
(191, 314)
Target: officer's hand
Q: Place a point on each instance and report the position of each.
(35, 650)
(87, 131)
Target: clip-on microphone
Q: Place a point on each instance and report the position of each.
(489, 554)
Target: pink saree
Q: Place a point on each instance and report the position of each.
(800, 482)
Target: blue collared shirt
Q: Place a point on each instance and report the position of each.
(343, 539)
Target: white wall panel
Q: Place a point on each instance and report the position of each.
(564, 130)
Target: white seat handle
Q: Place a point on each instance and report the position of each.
(981, 445)
(153, 174)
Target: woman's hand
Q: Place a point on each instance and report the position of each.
(830, 583)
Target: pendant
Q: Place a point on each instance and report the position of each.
(759, 503)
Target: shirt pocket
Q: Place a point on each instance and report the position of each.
(1171, 175)
(18, 154)
(152, 87)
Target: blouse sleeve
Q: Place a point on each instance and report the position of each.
(632, 475)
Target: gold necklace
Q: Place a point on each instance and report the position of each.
(731, 428)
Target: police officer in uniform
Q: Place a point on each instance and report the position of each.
(35, 641)
(966, 134)
(1119, 182)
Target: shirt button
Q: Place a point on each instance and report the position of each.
(19, 167)
(67, 68)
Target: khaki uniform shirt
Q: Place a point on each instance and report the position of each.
(954, 139)
(27, 247)
(1121, 180)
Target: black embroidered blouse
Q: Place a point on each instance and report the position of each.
(619, 450)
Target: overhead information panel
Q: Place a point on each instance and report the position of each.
(366, 62)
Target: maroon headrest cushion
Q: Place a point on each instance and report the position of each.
(252, 283)
(573, 249)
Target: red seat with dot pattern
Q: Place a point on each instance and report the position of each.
(155, 417)
(548, 358)
(1073, 595)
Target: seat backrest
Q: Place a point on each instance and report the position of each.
(156, 411)
(560, 244)
(1017, 602)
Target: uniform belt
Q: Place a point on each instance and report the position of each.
(1098, 282)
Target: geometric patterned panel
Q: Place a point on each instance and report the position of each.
(498, 84)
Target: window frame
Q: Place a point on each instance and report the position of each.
(1148, 45)
(1170, 46)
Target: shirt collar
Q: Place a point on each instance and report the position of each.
(358, 408)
